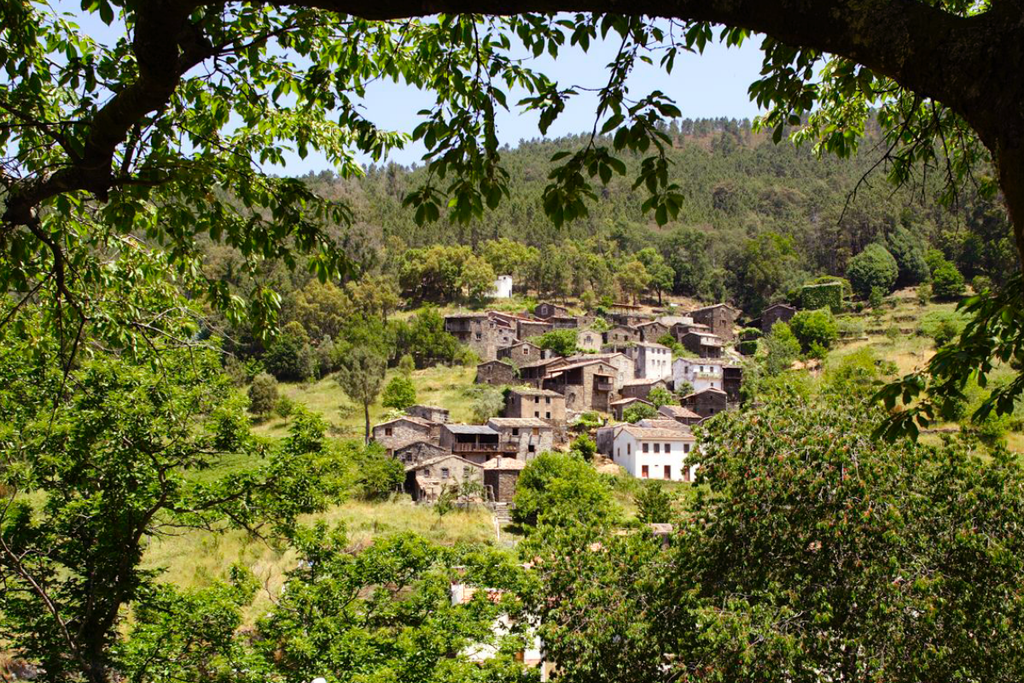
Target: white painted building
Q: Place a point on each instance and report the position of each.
(502, 287)
(653, 361)
(701, 373)
(653, 453)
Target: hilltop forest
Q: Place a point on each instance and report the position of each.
(757, 217)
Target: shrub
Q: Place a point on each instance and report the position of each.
(486, 401)
(562, 490)
(981, 283)
(639, 411)
(562, 342)
(406, 364)
(284, 407)
(826, 294)
(947, 282)
(924, 293)
(817, 351)
(589, 420)
(748, 347)
(653, 504)
(873, 267)
(660, 397)
(877, 298)
(262, 394)
(377, 474)
(815, 327)
(400, 393)
(782, 348)
(584, 446)
(943, 327)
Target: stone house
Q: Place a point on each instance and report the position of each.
(774, 314)
(496, 372)
(521, 353)
(624, 367)
(475, 443)
(680, 414)
(418, 451)
(537, 403)
(586, 385)
(480, 332)
(732, 381)
(704, 344)
(403, 430)
(589, 340)
(641, 388)
(530, 435)
(650, 453)
(429, 413)
(604, 438)
(721, 318)
(546, 309)
(564, 322)
(652, 330)
(532, 328)
(500, 478)
(620, 335)
(707, 403)
(619, 407)
(425, 481)
(535, 373)
(680, 330)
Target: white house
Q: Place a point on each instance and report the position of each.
(653, 361)
(701, 373)
(653, 453)
(502, 287)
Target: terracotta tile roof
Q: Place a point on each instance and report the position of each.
(519, 422)
(678, 412)
(654, 433)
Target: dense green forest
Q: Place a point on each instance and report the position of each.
(757, 217)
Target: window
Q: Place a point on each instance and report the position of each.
(536, 413)
(387, 431)
(686, 473)
(686, 448)
(515, 431)
(668, 448)
(479, 336)
(526, 351)
(645, 447)
(426, 471)
(536, 399)
(547, 416)
(668, 471)
(547, 399)
(531, 448)
(657, 448)
(643, 472)
(629, 448)
(444, 473)
(536, 431)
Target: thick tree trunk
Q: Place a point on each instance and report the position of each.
(366, 415)
(1010, 163)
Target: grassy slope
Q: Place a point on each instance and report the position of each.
(911, 350)
(195, 559)
(438, 386)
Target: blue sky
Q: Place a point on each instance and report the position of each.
(703, 86)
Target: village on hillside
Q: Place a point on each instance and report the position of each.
(672, 370)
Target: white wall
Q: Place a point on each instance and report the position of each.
(654, 362)
(698, 372)
(502, 287)
(627, 451)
